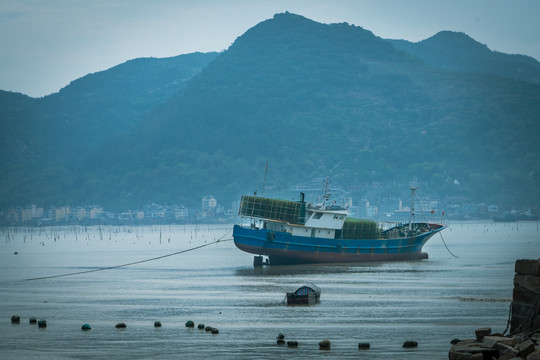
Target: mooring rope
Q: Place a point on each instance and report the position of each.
(135, 262)
(425, 219)
(444, 242)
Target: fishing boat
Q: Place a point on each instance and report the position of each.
(293, 232)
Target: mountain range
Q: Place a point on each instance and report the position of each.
(307, 98)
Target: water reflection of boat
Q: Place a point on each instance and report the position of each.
(291, 232)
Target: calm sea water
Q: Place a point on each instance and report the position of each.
(430, 301)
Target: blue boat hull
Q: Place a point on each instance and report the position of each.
(284, 248)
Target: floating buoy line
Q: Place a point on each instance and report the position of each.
(135, 262)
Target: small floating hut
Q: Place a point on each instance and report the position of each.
(304, 295)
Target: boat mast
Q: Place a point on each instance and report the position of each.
(326, 189)
(413, 187)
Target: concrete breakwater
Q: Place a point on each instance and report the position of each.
(523, 342)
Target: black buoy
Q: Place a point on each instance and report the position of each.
(208, 328)
(292, 344)
(190, 324)
(121, 326)
(15, 319)
(410, 344)
(33, 320)
(200, 326)
(42, 323)
(157, 324)
(86, 327)
(215, 331)
(324, 345)
(363, 346)
(280, 341)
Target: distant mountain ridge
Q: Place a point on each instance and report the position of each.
(109, 102)
(309, 98)
(457, 52)
(42, 139)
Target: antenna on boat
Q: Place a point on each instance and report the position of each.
(264, 180)
(326, 190)
(413, 186)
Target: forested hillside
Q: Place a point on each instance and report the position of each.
(312, 100)
(44, 140)
(458, 52)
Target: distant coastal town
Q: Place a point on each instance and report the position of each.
(211, 212)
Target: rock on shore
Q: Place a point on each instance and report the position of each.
(524, 342)
(496, 346)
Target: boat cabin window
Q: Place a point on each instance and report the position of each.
(317, 215)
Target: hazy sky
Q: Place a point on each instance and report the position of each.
(46, 44)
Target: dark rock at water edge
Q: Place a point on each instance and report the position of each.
(499, 347)
(525, 348)
(480, 333)
(524, 323)
(364, 346)
(534, 356)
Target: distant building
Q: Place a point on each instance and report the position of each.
(125, 215)
(60, 213)
(209, 203)
(26, 215)
(13, 214)
(426, 205)
(157, 214)
(180, 213)
(36, 212)
(372, 211)
(80, 213)
(95, 211)
(235, 207)
(361, 209)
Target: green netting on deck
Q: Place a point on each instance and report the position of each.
(360, 229)
(292, 212)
